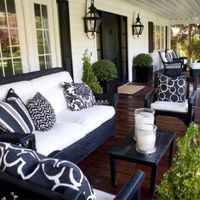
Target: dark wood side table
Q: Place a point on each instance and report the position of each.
(125, 150)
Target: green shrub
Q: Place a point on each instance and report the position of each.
(182, 180)
(143, 60)
(88, 75)
(104, 70)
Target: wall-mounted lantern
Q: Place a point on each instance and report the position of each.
(137, 27)
(92, 20)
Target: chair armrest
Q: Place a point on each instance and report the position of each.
(28, 190)
(132, 189)
(106, 99)
(25, 139)
(192, 99)
(148, 97)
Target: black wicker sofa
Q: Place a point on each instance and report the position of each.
(74, 152)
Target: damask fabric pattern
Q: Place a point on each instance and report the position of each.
(54, 174)
(78, 96)
(171, 89)
(14, 116)
(41, 112)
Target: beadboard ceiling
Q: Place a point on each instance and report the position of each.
(177, 11)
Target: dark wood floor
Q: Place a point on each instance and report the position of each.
(96, 166)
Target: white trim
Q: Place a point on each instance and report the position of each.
(22, 35)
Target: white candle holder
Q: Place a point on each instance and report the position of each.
(144, 119)
(146, 139)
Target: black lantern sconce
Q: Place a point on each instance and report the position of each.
(137, 27)
(92, 20)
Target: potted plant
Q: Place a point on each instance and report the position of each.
(182, 180)
(106, 73)
(143, 68)
(89, 76)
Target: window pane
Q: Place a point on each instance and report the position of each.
(3, 21)
(7, 64)
(1, 70)
(42, 62)
(40, 42)
(44, 17)
(12, 20)
(4, 38)
(37, 16)
(17, 66)
(9, 40)
(48, 62)
(47, 42)
(15, 43)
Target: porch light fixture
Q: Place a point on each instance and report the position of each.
(137, 27)
(92, 20)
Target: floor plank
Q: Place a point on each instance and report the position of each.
(96, 166)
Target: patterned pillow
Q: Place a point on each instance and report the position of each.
(78, 96)
(41, 112)
(14, 116)
(171, 89)
(49, 173)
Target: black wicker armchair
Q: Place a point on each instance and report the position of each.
(184, 110)
(28, 175)
(171, 67)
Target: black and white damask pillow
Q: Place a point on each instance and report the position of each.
(54, 174)
(171, 89)
(14, 116)
(78, 96)
(41, 112)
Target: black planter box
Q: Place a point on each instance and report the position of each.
(143, 74)
(109, 86)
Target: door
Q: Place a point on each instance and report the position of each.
(112, 43)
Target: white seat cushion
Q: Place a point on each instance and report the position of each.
(100, 195)
(180, 107)
(89, 118)
(61, 135)
(195, 65)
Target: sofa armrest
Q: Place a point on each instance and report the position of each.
(26, 140)
(132, 189)
(107, 99)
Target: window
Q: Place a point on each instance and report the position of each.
(10, 56)
(42, 32)
(29, 37)
(159, 37)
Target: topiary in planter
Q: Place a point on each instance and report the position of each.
(143, 60)
(182, 180)
(104, 70)
(142, 67)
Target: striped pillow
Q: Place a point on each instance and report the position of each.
(14, 116)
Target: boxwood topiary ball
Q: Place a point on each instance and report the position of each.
(104, 69)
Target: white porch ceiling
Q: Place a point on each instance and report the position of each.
(176, 11)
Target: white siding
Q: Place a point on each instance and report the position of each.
(80, 42)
